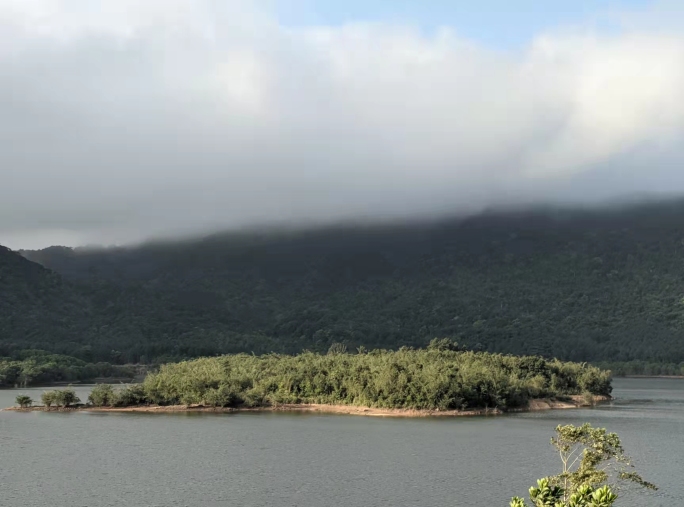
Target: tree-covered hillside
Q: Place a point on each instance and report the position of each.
(37, 305)
(579, 285)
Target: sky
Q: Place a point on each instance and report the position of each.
(502, 24)
(123, 120)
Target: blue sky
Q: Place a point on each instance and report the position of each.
(495, 23)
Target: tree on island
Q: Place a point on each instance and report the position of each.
(594, 464)
(66, 397)
(48, 398)
(62, 398)
(24, 401)
(102, 395)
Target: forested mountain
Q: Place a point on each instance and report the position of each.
(580, 285)
(36, 305)
(39, 310)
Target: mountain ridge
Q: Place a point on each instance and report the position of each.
(597, 285)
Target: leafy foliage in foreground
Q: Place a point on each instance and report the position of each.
(436, 378)
(594, 466)
(544, 495)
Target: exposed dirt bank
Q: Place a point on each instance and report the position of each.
(534, 405)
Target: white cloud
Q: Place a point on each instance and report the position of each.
(124, 119)
(622, 92)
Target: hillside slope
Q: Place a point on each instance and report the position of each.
(38, 306)
(579, 285)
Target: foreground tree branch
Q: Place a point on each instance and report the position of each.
(599, 468)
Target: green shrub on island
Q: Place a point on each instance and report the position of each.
(104, 395)
(48, 398)
(132, 394)
(67, 397)
(60, 397)
(440, 377)
(23, 401)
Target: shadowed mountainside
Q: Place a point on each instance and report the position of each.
(580, 285)
(36, 301)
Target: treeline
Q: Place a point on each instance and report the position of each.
(35, 367)
(437, 378)
(643, 368)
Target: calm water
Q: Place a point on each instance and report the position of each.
(305, 460)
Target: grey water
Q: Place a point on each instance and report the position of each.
(89, 459)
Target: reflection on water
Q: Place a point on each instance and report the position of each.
(309, 460)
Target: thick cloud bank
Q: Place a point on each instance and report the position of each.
(123, 119)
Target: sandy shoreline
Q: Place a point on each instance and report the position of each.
(534, 405)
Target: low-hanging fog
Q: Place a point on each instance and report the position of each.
(141, 119)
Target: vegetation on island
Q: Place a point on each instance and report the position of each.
(106, 395)
(440, 377)
(594, 468)
(23, 401)
(63, 398)
(60, 397)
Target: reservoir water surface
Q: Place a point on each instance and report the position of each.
(308, 460)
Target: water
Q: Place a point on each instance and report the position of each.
(307, 460)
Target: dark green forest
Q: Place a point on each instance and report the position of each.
(36, 367)
(582, 285)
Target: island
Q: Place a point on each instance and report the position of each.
(441, 379)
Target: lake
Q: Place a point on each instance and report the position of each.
(308, 460)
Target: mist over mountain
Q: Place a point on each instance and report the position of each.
(254, 121)
(579, 284)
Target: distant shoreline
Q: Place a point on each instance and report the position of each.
(73, 383)
(534, 405)
(651, 376)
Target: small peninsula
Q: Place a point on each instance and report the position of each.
(438, 380)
